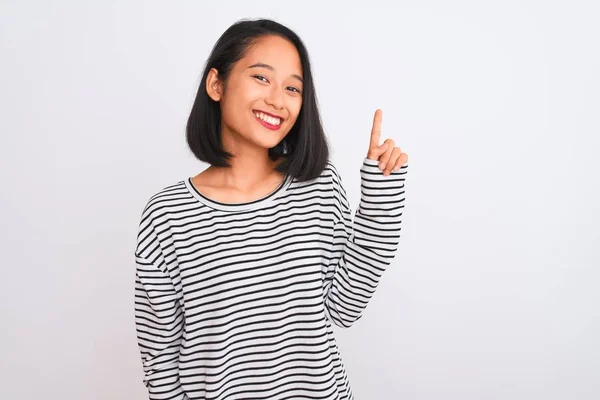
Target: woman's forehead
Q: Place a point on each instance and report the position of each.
(275, 52)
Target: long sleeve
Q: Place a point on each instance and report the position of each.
(362, 250)
(159, 324)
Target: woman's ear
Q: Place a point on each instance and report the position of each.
(214, 86)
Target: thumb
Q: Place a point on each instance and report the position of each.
(376, 152)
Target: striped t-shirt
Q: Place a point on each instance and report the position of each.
(237, 301)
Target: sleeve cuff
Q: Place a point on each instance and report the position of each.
(370, 169)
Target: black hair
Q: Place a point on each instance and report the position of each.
(306, 143)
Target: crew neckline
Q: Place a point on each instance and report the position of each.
(249, 205)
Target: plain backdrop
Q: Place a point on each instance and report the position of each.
(494, 293)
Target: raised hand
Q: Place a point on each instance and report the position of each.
(389, 156)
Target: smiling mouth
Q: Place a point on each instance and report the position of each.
(267, 119)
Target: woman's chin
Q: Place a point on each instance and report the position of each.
(267, 144)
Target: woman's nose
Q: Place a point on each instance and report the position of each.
(275, 98)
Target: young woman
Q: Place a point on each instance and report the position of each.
(243, 268)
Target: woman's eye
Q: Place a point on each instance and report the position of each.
(261, 78)
(293, 89)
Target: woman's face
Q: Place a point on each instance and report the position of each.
(263, 95)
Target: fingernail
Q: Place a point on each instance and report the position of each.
(381, 165)
(396, 168)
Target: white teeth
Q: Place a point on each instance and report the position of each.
(268, 119)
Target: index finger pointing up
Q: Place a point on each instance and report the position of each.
(376, 130)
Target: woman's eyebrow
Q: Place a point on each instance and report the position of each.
(270, 67)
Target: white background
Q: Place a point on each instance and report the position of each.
(494, 293)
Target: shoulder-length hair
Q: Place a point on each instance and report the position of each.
(306, 144)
